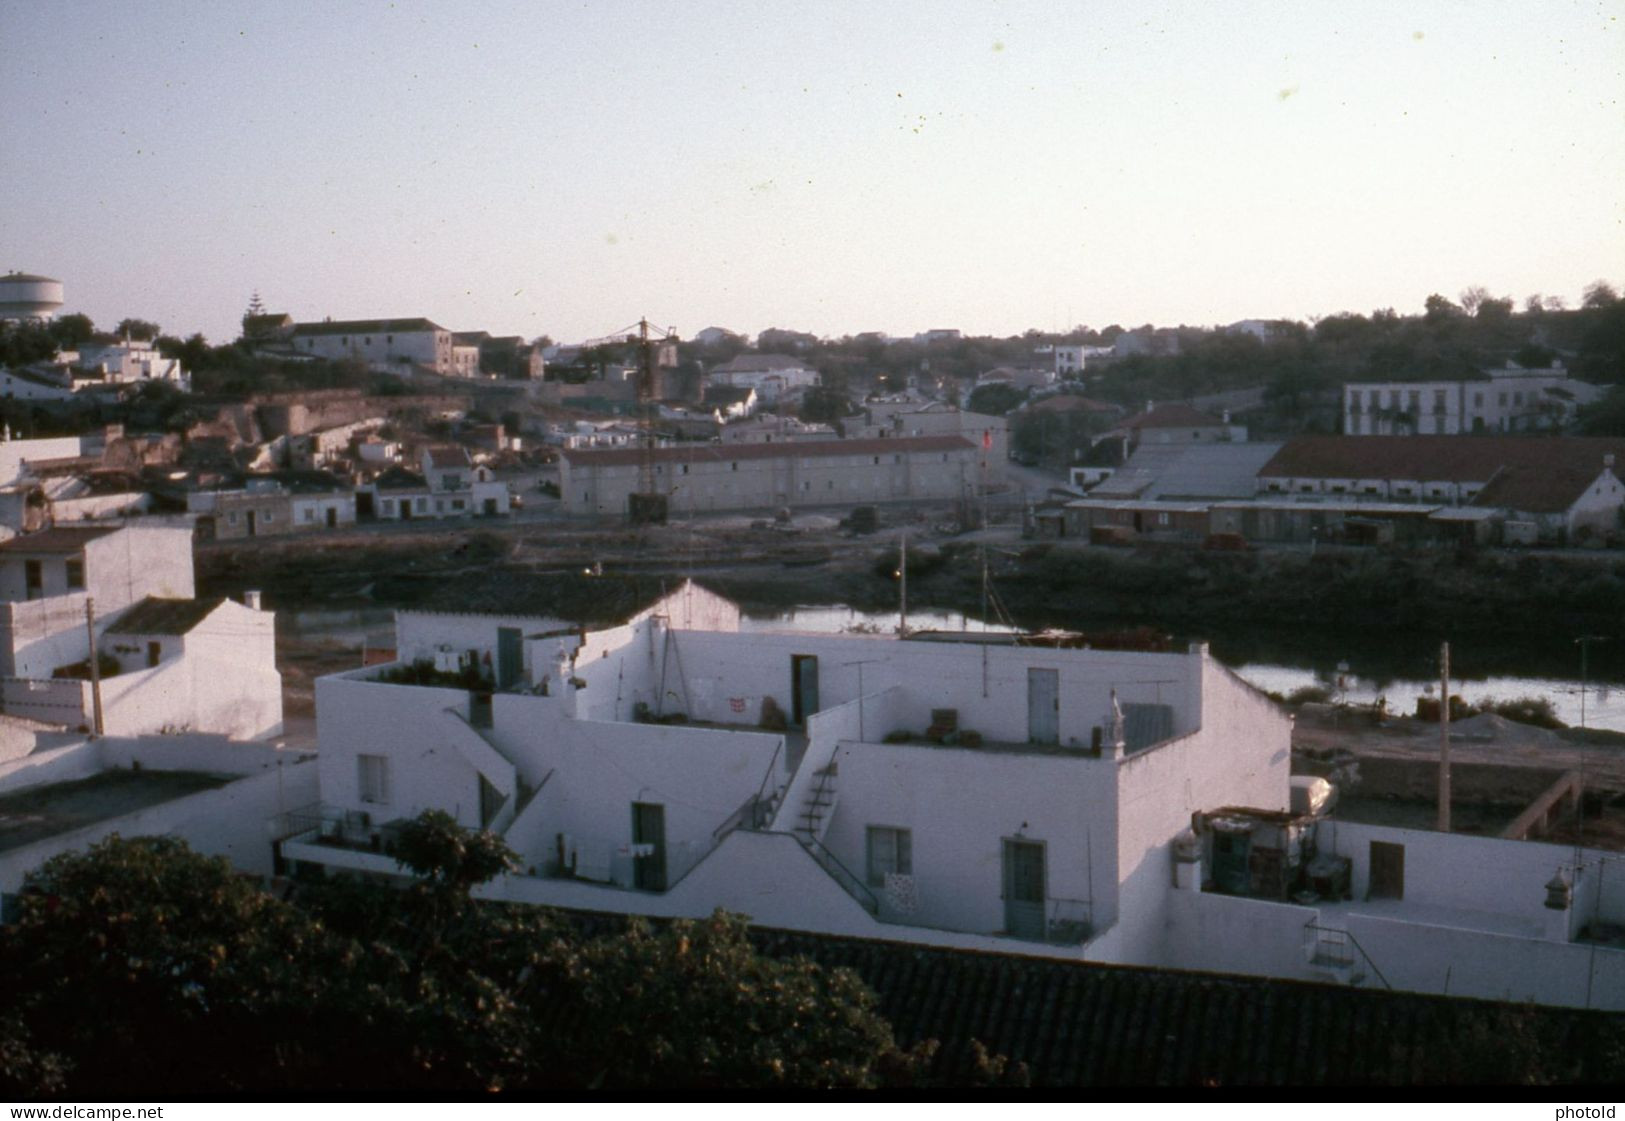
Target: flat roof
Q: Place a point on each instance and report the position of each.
(38, 812)
(57, 539)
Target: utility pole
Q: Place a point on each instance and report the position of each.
(1444, 737)
(95, 666)
(902, 594)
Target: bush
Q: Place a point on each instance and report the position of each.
(1535, 711)
(1309, 694)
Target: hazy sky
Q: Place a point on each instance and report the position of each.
(537, 167)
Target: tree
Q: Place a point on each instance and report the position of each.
(824, 404)
(1472, 297)
(994, 399)
(1438, 309)
(1599, 294)
(72, 331)
(142, 329)
(694, 1005)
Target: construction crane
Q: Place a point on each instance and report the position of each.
(647, 505)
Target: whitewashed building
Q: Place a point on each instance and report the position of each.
(127, 361)
(719, 477)
(388, 345)
(1508, 399)
(1109, 806)
(772, 376)
(169, 661)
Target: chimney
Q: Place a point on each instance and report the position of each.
(1149, 405)
(1608, 460)
(251, 599)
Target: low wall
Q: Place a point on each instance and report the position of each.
(1229, 934)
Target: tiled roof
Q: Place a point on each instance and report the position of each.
(367, 327)
(1175, 415)
(165, 616)
(1537, 491)
(801, 449)
(58, 539)
(1466, 459)
(575, 599)
(445, 456)
(1077, 1024)
(399, 478)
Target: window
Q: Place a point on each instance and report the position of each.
(684, 468)
(76, 574)
(231, 518)
(735, 466)
(269, 517)
(457, 504)
(890, 850)
(373, 778)
(34, 578)
(310, 515)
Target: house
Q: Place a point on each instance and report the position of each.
(1173, 423)
(460, 488)
(937, 418)
(130, 361)
(387, 345)
(38, 382)
(1100, 806)
(1571, 504)
(773, 428)
(166, 661)
(768, 476)
(1024, 378)
(397, 494)
(1072, 361)
(729, 402)
(1509, 399)
(270, 505)
(772, 376)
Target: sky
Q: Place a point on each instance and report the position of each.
(564, 168)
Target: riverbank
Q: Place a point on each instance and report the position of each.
(1387, 611)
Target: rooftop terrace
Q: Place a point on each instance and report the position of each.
(39, 812)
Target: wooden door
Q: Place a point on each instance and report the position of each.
(1043, 706)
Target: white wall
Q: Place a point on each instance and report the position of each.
(229, 821)
(1242, 756)
(959, 805)
(1231, 934)
(426, 771)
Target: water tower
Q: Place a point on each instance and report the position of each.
(25, 296)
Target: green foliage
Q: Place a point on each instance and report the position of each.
(435, 848)
(823, 404)
(994, 399)
(423, 672)
(713, 1013)
(23, 343)
(72, 331)
(143, 329)
(144, 969)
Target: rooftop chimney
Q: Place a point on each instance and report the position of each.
(251, 599)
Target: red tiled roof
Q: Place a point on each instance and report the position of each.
(1537, 490)
(58, 539)
(448, 457)
(1175, 415)
(1463, 459)
(801, 449)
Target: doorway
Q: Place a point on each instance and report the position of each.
(1043, 706)
(510, 656)
(1024, 888)
(649, 829)
(1387, 871)
(332, 518)
(803, 687)
(251, 523)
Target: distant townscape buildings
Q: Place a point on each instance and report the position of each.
(1511, 399)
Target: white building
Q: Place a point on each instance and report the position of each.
(772, 376)
(715, 477)
(1513, 399)
(389, 345)
(182, 664)
(460, 487)
(216, 794)
(1133, 808)
(130, 361)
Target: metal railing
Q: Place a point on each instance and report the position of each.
(849, 880)
(1069, 921)
(1338, 949)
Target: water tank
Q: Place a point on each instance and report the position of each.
(25, 296)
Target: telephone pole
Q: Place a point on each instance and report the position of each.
(95, 666)
(1444, 737)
